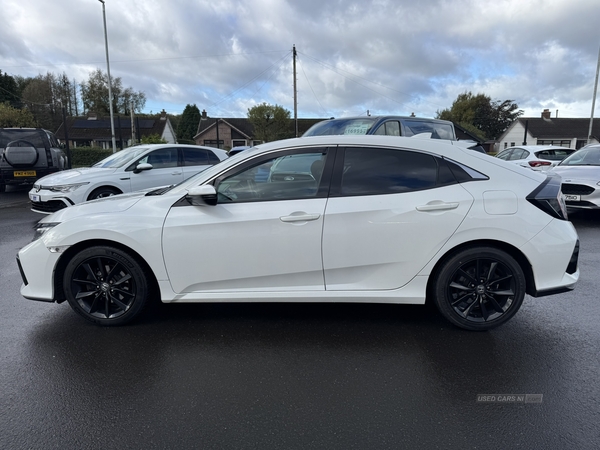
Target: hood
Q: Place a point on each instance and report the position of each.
(74, 176)
(573, 173)
(112, 204)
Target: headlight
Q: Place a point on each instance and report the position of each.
(65, 187)
(39, 229)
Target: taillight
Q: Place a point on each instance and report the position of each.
(548, 198)
(539, 163)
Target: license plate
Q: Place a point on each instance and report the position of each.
(572, 198)
(24, 173)
(34, 197)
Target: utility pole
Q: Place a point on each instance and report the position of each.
(295, 94)
(110, 97)
(132, 123)
(594, 99)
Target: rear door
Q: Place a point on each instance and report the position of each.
(388, 214)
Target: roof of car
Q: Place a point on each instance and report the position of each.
(534, 148)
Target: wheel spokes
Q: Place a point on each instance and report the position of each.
(103, 287)
(481, 289)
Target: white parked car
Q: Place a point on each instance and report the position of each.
(536, 157)
(580, 175)
(132, 169)
(317, 219)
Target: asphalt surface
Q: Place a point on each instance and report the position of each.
(276, 376)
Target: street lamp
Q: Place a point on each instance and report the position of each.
(110, 97)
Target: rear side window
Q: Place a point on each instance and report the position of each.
(372, 171)
(195, 157)
(212, 158)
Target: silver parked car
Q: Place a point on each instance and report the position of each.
(580, 174)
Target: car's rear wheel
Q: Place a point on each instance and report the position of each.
(106, 285)
(102, 192)
(479, 288)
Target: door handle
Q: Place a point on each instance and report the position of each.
(299, 218)
(438, 206)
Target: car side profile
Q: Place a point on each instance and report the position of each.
(134, 168)
(319, 219)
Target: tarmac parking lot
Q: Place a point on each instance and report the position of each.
(295, 375)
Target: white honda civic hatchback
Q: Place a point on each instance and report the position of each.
(317, 219)
(132, 169)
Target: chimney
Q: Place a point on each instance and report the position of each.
(163, 115)
(204, 116)
(546, 114)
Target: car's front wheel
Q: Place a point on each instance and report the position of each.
(102, 192)
(106, 285)
(479, 288)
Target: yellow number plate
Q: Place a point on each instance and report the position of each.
(25, 173)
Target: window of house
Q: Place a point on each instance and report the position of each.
(506, 145)
(580, 143)
(512, 144)
(561, 143)
(214, 143)
(238, 143)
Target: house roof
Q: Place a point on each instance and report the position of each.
(541, 128)
(84, 128)
(244, 127)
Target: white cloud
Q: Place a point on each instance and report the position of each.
(387, 56)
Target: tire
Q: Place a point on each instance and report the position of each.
(479, 288)
(102, 192)
(106, 285)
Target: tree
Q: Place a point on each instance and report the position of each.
(153, 139)
(271, 122)
(480, 115)
(94, 95)
(9, 91)
(11, 117)
(188, 124)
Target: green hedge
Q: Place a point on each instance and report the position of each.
(88, 156)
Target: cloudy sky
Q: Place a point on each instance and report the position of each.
(385, 56)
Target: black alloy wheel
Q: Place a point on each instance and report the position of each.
(106, 285)
(479, 288)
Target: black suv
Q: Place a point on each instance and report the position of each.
(27, 154)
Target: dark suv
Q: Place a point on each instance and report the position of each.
(27, 154)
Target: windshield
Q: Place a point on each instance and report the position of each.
(121, 158)
(584, 157)
(341, 126)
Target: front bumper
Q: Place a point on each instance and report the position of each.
(581, 195)
(47, 202)
(36, 265)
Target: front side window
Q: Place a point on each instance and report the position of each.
(286, 177)
(372, 171)
(161, 159)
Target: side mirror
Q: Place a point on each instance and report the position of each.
(141, 167)
(202, 195)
